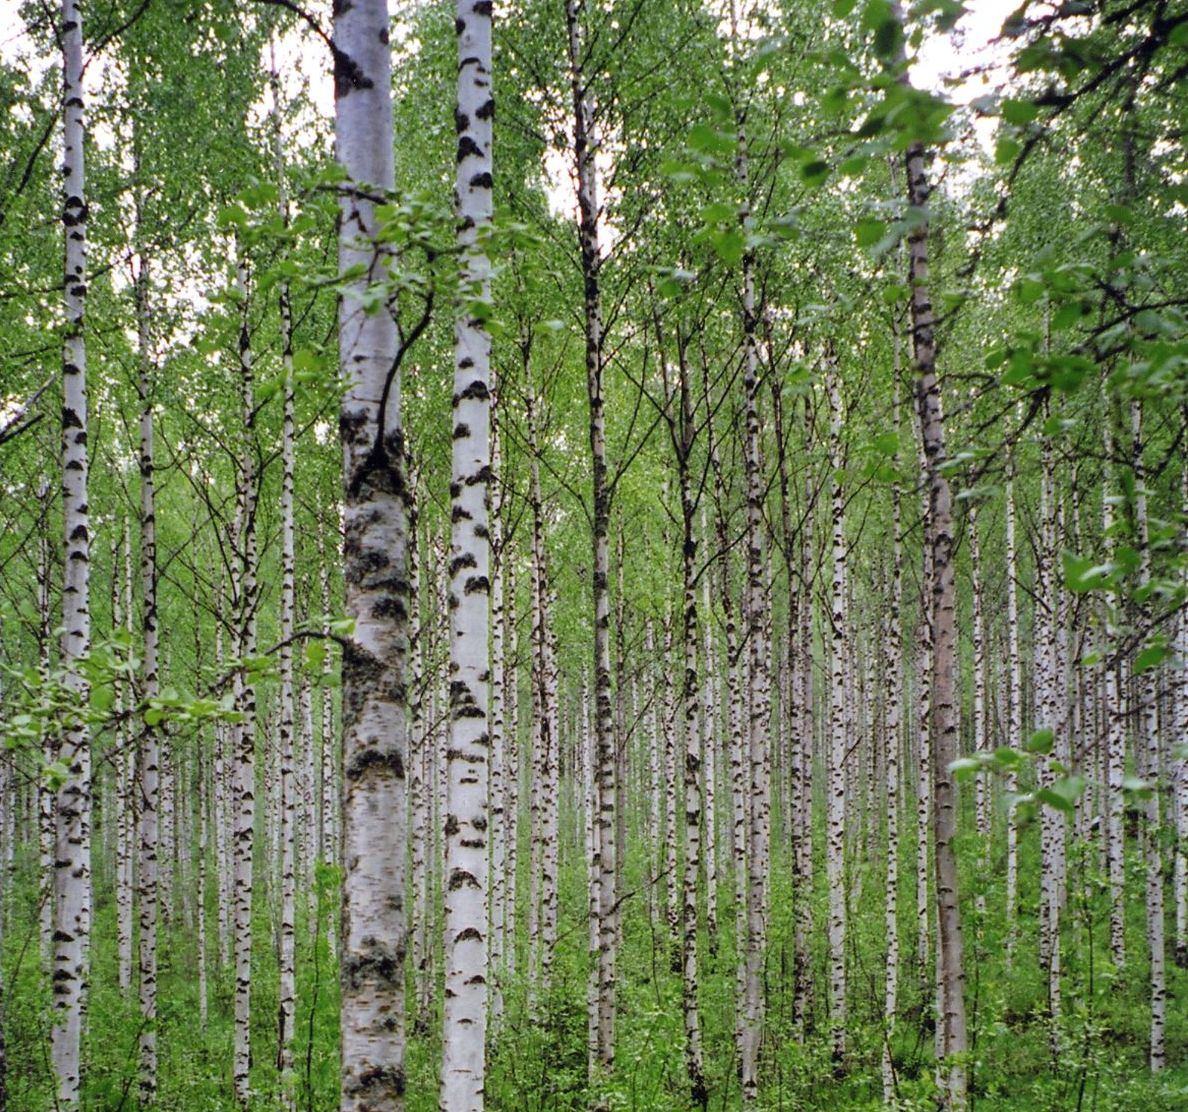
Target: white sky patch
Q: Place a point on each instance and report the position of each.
(946, 63)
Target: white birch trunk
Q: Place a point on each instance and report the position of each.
(1150, 769)
(150, 750)
(1014, 713)
(244, 733)
(838, 734)
(286, 1005)
(466, 824)
(374, 726)
(72, 816)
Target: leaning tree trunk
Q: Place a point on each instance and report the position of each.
(466, 970)
(374, 717)
(72, 829)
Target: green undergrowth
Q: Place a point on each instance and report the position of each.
(1094, 1062)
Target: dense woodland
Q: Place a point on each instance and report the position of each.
(671, 596)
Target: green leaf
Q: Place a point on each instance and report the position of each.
(1150, 657)
(1029, 290)
(815, 172)
(1144, 789)
(965, 767)
(1054, 799)
(343, 627)
(1041, 742)
(1006, 151)
(869, 231)
(1019, 112)
(720, 212)
(842, 8)
(729, 245)
(1081, 574)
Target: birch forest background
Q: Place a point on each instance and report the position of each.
(668, 595)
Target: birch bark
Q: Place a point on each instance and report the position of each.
(374, 716)
(466, 904)
(72, 814)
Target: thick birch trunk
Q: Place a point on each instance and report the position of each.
(374, 717)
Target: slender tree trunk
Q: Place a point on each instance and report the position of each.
(759, 702)
(149, 689)
(1150, 769)
(1114, 711)
(1180, 796)
(683, 437)
(72, 817)
(288, 787)
(511, 800)
(466, 905)
(245, 730)
(939, 538)
(838, 735)
(585, 147)
(223, 816)
(125, 773)
(1014, 714)
(893, 693)
(203, 844)
(979, 703)
(498, 728)
(46, 793)
(709, 750)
